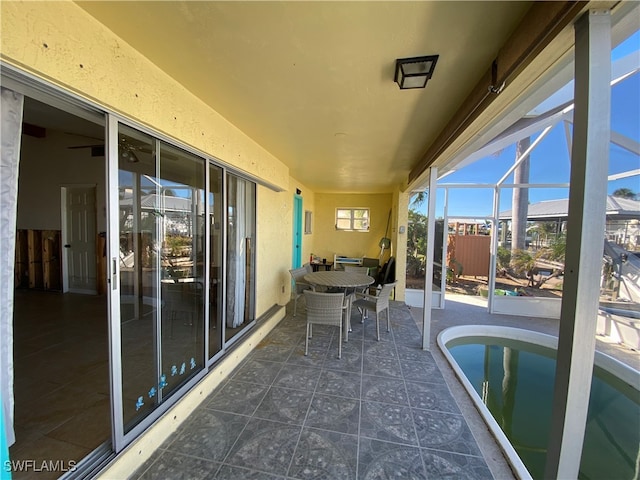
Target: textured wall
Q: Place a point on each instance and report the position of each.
(61, 43)
(329, 241)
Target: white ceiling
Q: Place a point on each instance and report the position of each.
(312, 82)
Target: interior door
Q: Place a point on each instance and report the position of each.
(297, 231)
(79, 239)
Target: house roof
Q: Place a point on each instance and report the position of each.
(617, 208)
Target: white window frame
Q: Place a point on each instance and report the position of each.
(352, 217)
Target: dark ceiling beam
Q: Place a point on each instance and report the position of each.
(542, 23)
(33, 130)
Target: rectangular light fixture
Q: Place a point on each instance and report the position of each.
(414, 72)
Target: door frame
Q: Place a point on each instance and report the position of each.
(64, 218)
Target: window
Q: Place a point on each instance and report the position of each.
(352, 219)
(307, 222)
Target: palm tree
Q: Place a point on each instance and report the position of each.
(625, 193)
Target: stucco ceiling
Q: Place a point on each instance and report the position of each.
(312, 82)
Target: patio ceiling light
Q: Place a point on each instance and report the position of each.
(414, 72)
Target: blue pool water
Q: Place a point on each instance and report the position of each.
(515, 381)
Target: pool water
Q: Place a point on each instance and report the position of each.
(515, 381)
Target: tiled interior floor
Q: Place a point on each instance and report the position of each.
(382, 411)
(61, 377)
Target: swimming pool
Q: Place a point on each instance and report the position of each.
(509, 374)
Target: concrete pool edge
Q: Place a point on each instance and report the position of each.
(611, 365)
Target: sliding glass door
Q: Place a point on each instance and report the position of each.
(182, 270)
(162, 270)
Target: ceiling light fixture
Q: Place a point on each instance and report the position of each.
(414, 72)
(127, 155)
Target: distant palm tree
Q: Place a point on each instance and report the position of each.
(625, 193)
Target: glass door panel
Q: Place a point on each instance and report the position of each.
(162, 270)
(139, 295)
(182, 218)
(216, 222)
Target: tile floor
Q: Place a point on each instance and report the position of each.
(382, 411)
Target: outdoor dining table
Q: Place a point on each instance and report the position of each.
(338, 279)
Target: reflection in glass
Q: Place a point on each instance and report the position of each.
(138, 273)
(182, 218)
(162, 270)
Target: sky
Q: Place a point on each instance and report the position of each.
(550, 159)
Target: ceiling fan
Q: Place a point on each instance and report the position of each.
(126, 149)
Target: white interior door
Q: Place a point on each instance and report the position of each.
(79, 239)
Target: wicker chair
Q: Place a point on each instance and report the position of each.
(379, 303)
(324, 309)
(299, 285)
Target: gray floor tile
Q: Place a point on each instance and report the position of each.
(431, 396)
(384, 460)
(388, 422)
(275, 352)
(350, 362)
(335, 382)
(338, 414)
(175, 466)
(315, 357)
(353, 346)
(384, 389)
(238, 397)
(284, 405)
(447, 465)
(380, 349)
(444, 431)
(324, 455)
(414, 354)
(298, 377)
(265, 446)
(382, 366)
(258, 371)
(209, 434)
(421, 371)
(229, 472)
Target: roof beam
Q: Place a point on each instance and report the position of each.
(542, 23)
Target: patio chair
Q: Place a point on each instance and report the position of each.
(380, 302)
(183, 301)
(324, 309)
(299, 285)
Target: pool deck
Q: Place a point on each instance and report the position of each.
(386, 407)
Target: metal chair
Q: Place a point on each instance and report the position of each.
(379, 303)
(299, 285)
(324, 309)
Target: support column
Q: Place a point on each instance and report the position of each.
(585, 237)
(428, 274)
